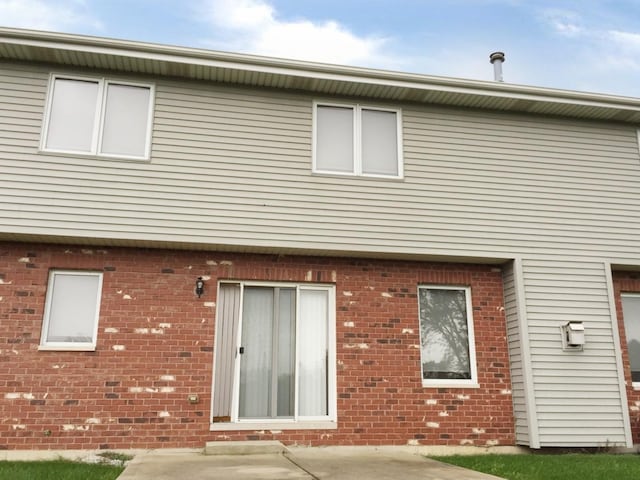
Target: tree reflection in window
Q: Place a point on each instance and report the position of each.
(444, 333)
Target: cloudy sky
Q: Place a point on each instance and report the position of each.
(588, 45)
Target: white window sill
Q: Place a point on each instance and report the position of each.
(93, 156)
(445, 384)
(325, 173)
(67, 348)
(635, 385)
(276, 425)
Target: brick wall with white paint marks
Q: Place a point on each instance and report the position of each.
(155, 348)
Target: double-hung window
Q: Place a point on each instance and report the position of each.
(631, 315)
(97, 116)
(446, 336)
(274, 356)
(71, 311)
(357, 140)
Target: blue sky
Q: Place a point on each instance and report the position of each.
(587, 45)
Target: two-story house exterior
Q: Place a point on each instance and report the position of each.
(200, 246)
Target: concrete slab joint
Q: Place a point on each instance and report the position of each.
(257, 447)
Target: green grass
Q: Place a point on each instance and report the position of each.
(57, 470)
(552, 467)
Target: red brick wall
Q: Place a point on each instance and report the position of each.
(155, 346)
(628, 282)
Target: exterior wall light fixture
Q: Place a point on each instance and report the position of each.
(199, 287)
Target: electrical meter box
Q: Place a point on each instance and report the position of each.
(573, 336)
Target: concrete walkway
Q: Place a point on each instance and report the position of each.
(336, 463)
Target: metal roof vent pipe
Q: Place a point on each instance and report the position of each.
(497, 58)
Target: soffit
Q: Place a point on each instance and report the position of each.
(321, 79)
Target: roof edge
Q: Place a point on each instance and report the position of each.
(256, 63)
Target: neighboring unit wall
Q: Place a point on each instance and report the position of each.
(578, 396)
(628, 282)
(156, 339)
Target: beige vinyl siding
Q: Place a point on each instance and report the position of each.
(547, 184)
(22, 93)
(577, 394)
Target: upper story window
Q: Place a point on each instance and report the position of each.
(98, 117)
(357, 140)
(446, 336)
(72, 310)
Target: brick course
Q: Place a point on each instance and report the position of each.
(155, 346)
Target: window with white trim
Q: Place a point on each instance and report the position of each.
(357, 140)
(631, 316)
(275, 355)
(98, 117)
(71, 311)
(446, 336)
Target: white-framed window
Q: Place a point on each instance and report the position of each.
(447, 346)
(357, 140)
(71, 311)
(274, 356)
(98, 116)
(631, 316)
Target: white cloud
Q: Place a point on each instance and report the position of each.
(564, 22)
(602, 52)
(45, 14)
(628, 40)
(625, 53)
(253, 26)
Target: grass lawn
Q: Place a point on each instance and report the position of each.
(552, 467)
(57, 470)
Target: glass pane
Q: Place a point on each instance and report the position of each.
(72, 115)
(126, 120)
(313, 353)
(631, 314)
(379, 143)
(444, 334)
(256, 361)
(73, 313)
(334, 139)
(286, 352)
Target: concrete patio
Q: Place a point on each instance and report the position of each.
(336, 463)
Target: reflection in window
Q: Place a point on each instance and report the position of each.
(446, 334)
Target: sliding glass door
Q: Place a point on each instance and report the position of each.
(283, 355)
(267, 353)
